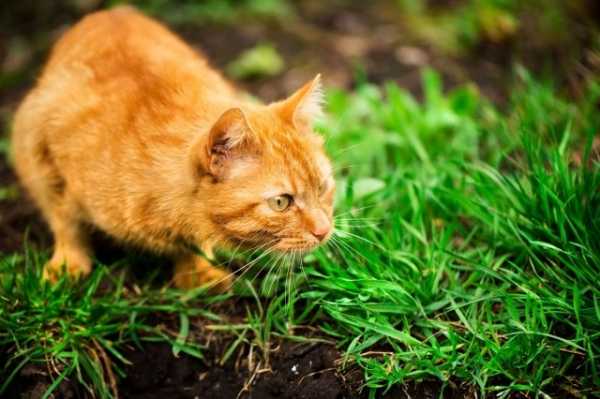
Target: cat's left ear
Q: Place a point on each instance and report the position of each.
(228, 142)
(304, 106)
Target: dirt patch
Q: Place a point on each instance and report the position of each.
(297, 371)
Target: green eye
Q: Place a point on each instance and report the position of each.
(280, 203)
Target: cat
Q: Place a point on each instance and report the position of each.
(131, 131)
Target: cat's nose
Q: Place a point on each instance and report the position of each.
(321, 227)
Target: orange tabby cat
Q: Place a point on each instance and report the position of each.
(129, 130)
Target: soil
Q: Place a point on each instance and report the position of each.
(331, 40)
(296, 371)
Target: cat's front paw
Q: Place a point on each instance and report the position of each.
(75, 264)
(198, 272)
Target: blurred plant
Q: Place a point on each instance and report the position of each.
(223, 11)
(455, 29)
(10, 192)
(260, 61)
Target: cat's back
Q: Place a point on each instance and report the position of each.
(120, 71)
(112, 45)
(112, 103)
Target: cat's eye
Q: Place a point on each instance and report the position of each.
(280, 203)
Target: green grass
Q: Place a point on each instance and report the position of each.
(466, 250)
(478, 257)
(78, 329)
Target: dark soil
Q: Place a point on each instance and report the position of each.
(296, 371)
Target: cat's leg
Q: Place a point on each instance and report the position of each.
(71, 245)
(192, 271)
(49, 190)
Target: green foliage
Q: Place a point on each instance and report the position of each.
(259, 61)
(478, 258)
(221, 11)
(80, 328)
(454, 29)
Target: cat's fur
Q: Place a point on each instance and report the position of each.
(130, 130)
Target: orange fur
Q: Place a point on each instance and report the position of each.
(129, 130)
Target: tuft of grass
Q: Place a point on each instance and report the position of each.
(78, 329)
(477, 258)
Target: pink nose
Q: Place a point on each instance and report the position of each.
(321, 228)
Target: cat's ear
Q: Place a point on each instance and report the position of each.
(304, 106)
(226, 142)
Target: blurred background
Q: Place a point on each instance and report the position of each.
(270, 47)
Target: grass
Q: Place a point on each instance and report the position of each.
(479, 255)
(466, 250)
(78, 329)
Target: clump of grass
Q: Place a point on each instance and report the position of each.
(457, 268)
(77, 330)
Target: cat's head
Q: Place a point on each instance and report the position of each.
(269, 180)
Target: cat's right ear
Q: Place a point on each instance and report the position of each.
(225, 143)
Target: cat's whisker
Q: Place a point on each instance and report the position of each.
(351, 249)
(273, 266)
(356, 225)
(288, 280)
(276, 270)
(346, 234)
(302, 267)
(357, 218)
(266, 253)
(362, 208)
(367, 219)
(337, 247)
(270, 280)
(244, 269)
(234, 253)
